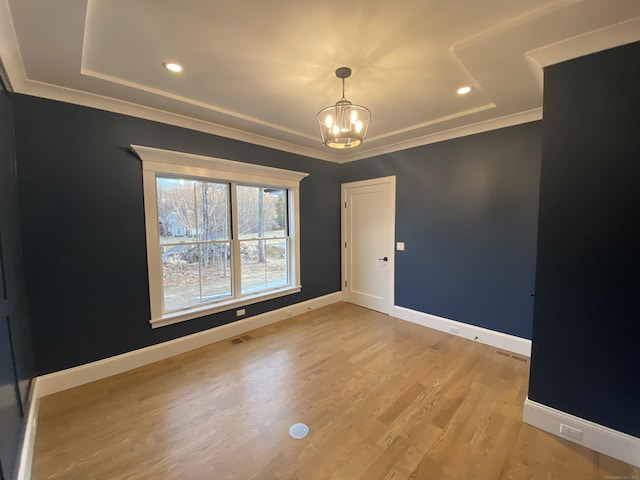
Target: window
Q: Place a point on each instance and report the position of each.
(195, 246)
(220, 234)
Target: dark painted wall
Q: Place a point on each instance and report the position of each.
(83, 218)
(16, 354)
(467, 212)
(586, 331)
(466, 208)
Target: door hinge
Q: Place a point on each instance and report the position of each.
(345, 283)
(345, 204)
(345, 244)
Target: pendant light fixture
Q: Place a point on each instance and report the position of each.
(343, 125)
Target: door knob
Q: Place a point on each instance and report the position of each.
(384, 259)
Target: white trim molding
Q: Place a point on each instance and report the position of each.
(481, 126)
(388, 220)
(90, 372)
(159, 162)
(171, 161)
(597, 437)
(25, 458)
(521, 346)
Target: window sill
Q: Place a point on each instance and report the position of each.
(183, 315)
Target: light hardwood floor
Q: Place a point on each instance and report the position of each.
(384, 399)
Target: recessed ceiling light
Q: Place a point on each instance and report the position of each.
(172, 66)
(464, 90)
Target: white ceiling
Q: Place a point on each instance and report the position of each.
(259, 70)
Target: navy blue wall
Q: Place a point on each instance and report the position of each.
(586, 331)
(467, 212)
(83, 218)
(16, 354)
(466, 208)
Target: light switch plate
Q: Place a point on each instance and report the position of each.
(400, 246)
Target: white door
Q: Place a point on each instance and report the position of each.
(368, 230)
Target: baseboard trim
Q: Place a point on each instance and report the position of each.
(90, 372)
(597, 437)
(514, 344)
(25, 458)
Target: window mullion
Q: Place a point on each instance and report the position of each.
(235, 243)
(197, 236)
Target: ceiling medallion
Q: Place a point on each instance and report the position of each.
(343, 125)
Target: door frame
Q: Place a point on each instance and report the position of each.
(391, 238)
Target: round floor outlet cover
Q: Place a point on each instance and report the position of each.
(298, 430)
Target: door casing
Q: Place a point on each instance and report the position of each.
(389, 240)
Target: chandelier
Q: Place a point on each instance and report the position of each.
(343, 125)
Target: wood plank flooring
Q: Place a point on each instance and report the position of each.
(384, 399)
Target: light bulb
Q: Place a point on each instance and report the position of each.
(328, 121)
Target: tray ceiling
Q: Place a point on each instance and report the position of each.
(260, 71)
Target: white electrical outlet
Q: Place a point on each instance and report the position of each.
(400, 246)
(240, 312)
(571, 432)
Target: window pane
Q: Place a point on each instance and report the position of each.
(212, 200)
(261, 212)
(275, 208)
(180, 276)
(195, 274)
(253, 271)
(263, 264)
(176, 209)
(276, 253)
(215, 271)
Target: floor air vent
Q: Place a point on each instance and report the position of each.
(239, 340)
(514, 357)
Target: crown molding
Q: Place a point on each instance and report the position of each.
(16, 80)
(54, 92)
(591, 42)
(478, 127)
(63, 94)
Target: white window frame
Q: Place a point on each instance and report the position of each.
(157, 162)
